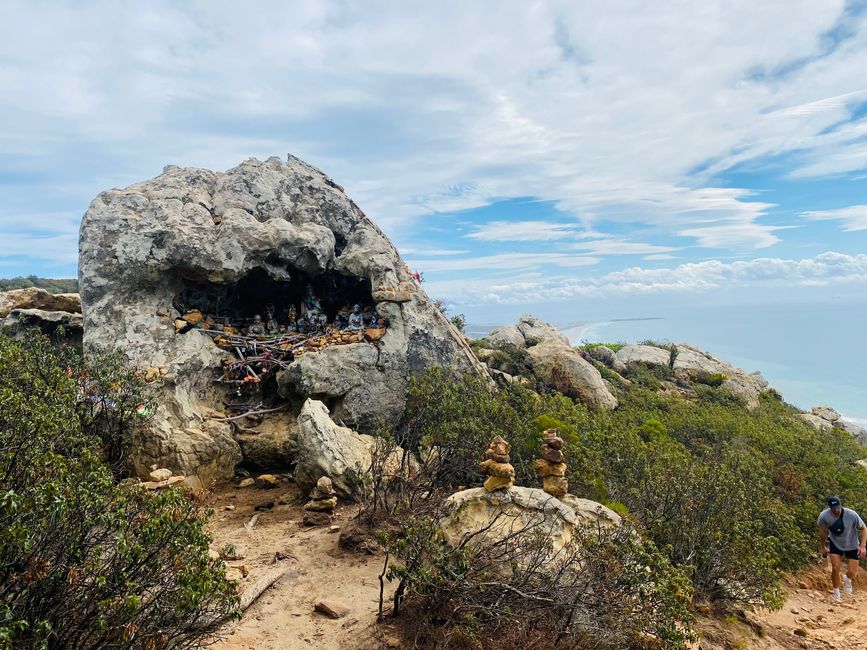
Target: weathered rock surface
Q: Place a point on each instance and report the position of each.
(140, 247)
(563, 368)
(691, 362)
(511, 511)
(48, 322)
(607, 356)
(821, 424)
(328, 449)
(270, 445)
(826, 413)
(536, 331)
(41, 299)
(508, 336)
(591, 512)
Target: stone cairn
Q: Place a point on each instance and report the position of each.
(323, 498)
(501, 474)
(550, 466)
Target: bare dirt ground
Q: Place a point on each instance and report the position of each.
(283, 617)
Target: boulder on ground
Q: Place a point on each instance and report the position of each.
(607, 356)
(564, 369)
(343, 455)
(508, 336)
(536, 331)
(826, 413)
(505, 512)
(591, 512)
(270, 445)
(241, 238)
(33, 298)
(820, 424)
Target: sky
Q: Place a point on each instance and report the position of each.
(584, 161)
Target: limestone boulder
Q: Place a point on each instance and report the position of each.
(607, 356)
(505, 512)
(859, 432)
(325, 448)
(826, 413)
(20, 320)
(564, 369)
(649, 354)
(33, 298)
(820, 424)
(261, 229)
(591, 512)
(270, 445)
(508, 336)
(536, 331)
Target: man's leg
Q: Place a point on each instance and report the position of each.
(852, 570)
(836, 561)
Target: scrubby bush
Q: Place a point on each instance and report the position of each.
(729, 494)
(603, 589)
(86, 562)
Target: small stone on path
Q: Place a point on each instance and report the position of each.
(332, 608)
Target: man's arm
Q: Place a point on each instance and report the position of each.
(862, 550)
(823, 539)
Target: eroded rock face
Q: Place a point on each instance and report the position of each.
(33, 298)
(826, 413)
(690, 362)
(506, 512)
(820, 424)
(563, 368)
(142, 246)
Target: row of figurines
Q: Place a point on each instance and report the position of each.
(312, 319)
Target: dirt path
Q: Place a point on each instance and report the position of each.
(283, 617)
(811, 618)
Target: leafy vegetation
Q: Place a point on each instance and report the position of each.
(728, 494)
(85, 561)
(52, 285)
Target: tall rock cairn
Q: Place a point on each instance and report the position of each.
(550, 466)
(501, 474)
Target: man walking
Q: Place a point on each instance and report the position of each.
(843, 533)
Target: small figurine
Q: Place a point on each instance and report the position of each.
(356, 322)
(293, 315)
(257, 328)
(272, 326)
(342, 319)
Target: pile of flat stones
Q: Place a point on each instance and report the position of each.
(550, 466)
(501, 474)
(323, 500)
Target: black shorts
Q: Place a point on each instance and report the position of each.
(849, 555)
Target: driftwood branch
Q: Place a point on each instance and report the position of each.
(255, 412)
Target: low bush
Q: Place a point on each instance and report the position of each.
(86, 562)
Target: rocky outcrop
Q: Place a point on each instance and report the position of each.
(555, 361)
(505, 512)
(564, 369)
(343, 455)
(19, 320)
(279, 222)
(508, 336)
(693, 363)
(591, 512)
(820, 424)
(826, 413)
(34, 298)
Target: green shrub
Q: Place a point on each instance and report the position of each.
(86, 562)
(605, 590)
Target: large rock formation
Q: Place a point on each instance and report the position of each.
(22, 309)
(691, 362)
(239, 238)
(33, 298)
(555, 361)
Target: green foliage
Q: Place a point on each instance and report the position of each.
(605, 590)
(460, 322)
(614, 347)
(714, 379)
(52, 285)
(730, 494)
(86, 562)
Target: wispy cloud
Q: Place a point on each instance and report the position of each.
(852, 218)
(504, 261)
(827, 269)
(620, 247)
(524, 231)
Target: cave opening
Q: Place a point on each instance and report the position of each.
(258, 294)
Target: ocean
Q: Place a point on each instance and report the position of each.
(812, 353)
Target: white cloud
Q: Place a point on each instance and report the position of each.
(433, 251)
(853, 218)
(620, 247)
(827, 269)
(661, 256)
(424, 108)
(503, 261)
(524, 231)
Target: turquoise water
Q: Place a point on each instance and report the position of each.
(813, 354)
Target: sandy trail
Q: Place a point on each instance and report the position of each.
(283, 617)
